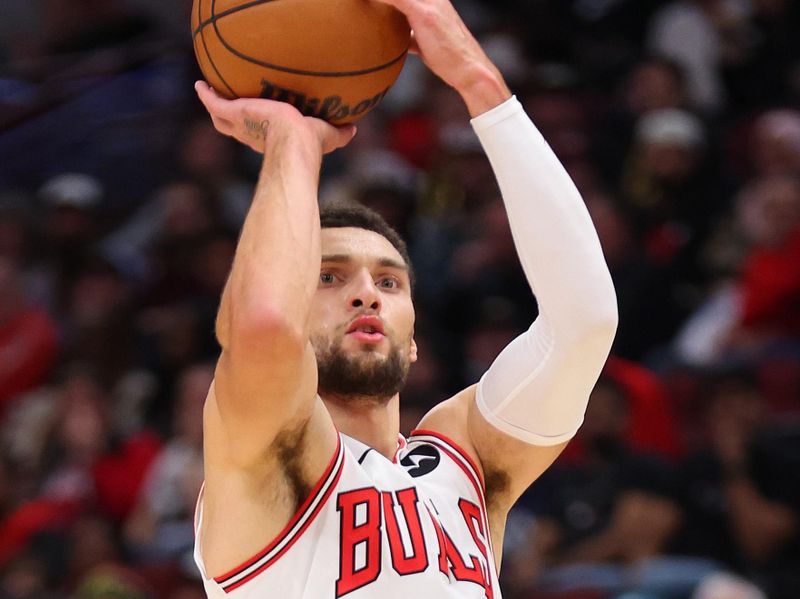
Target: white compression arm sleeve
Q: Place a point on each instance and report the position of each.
(538, 388)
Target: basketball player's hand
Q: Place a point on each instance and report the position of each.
(446, 46)
(253, 121)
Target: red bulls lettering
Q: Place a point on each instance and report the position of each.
(418, 560)
(472, 516)
(352, 535)
(363, 513)
(450, 560)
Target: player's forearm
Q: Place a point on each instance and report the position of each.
(554, 235)
(276, 267)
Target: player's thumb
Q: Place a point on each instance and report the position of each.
(341, 136)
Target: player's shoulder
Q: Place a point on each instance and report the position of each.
(449, 422)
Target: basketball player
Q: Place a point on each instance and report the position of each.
(309, 489)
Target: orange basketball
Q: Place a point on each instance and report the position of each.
(332, 59)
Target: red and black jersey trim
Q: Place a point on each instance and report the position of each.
(464, 461)
(292, 531)
(401, 445)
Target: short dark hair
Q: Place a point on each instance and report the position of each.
(353, 214)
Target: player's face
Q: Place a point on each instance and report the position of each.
(362, 318)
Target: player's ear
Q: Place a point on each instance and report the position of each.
(412, 351)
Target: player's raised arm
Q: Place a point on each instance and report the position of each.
(266, 377)
(532, 400)
(537, 390)
(447, 48)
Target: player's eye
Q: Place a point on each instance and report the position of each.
(388, 283)
(327, 278)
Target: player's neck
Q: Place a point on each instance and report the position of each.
(374, 423)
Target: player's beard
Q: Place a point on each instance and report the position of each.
(359, 375)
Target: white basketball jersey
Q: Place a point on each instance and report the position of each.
(413, 527)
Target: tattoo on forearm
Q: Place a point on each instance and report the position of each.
(256, 129)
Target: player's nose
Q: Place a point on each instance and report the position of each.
(363, 292)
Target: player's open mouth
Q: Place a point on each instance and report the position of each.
(367, 329)
(365, 337)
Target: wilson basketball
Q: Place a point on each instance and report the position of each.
(332, 59)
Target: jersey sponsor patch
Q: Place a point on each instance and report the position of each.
(421, 460)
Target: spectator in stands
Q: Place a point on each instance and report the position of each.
(759, 308)
(71, 227)
(16, 228)
(694, 34)
(26, 578)
(152, 246)
(740, 502)
(87, 465)
(765, 55)
(489, 308)
(99, 306)
(667, 185)
(637, 279)
(211, 160)
(655, 84)
(652, 84)
(161, 526)
(28, 337)
(606, 523)
(770, 280)
(776, 143)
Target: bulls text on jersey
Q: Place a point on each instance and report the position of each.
(367, 514)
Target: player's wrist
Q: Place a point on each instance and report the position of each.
(285, 144)
(482, 89)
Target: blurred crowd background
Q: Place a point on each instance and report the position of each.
(119, 210)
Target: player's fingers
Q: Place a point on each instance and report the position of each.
(395, 3)
(224, 126)
(204, 92)
(216, 105)
(346, 134)
(337, 137)
(413, 45)
(407, 7)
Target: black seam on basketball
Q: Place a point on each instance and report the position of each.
(205, 46)
(225, 13)
(292, 71)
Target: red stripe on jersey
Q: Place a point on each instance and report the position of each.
(401, 445)
(457, 454)
(460, 464)
(458, 449)
(333, 471)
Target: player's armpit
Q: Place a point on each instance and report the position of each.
(508, 465)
